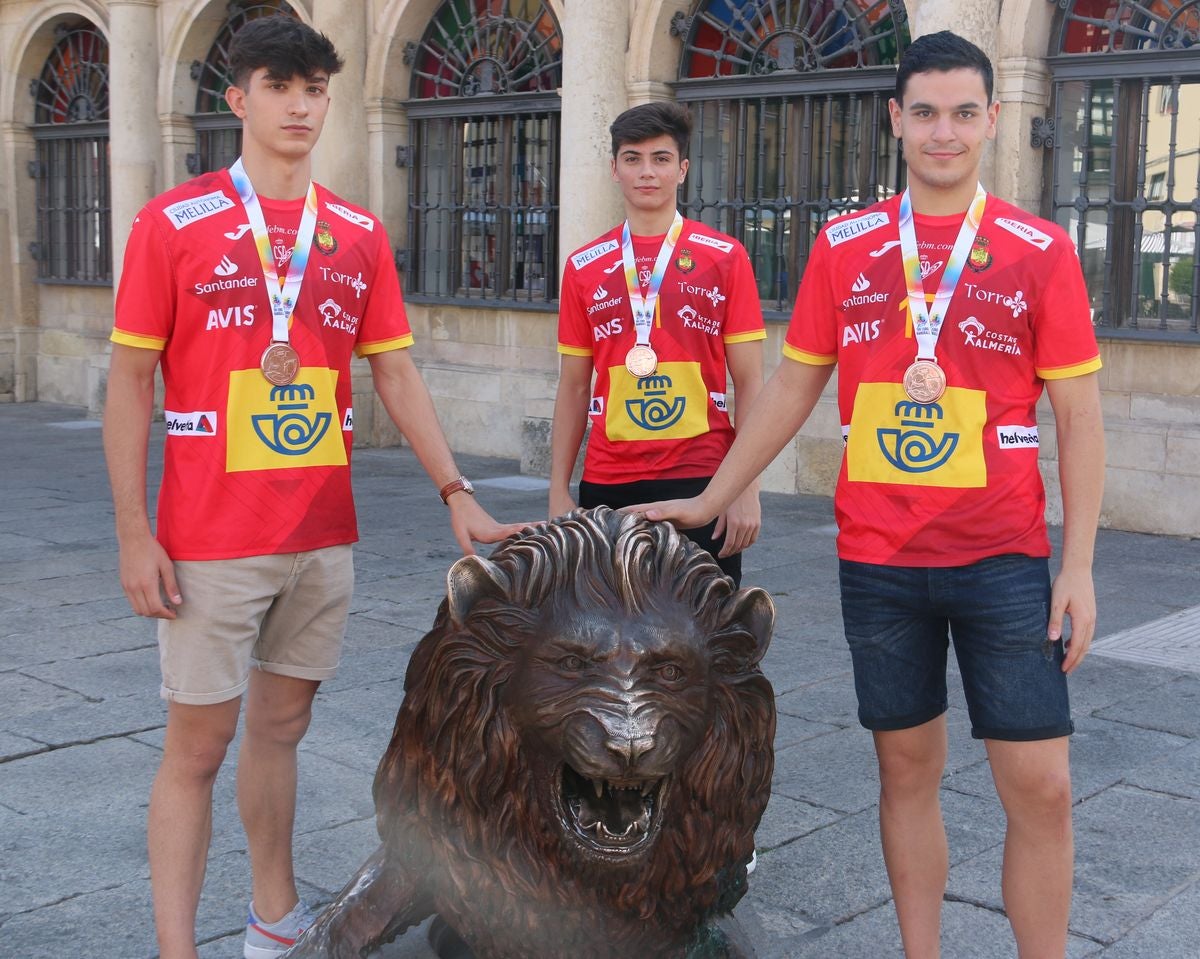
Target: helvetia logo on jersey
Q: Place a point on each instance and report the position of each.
(186, 212)
(1017, 437)
(712, 241)
(584, 257)
(842, 230)
(191, 424)
(596, 406)
(719, 403)
(1029, 234)
(357, 219)
(348, 420)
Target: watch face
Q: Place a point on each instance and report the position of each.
(467, 485)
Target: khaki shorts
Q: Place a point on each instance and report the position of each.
(282, 614)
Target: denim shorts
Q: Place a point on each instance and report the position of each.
(899, 621)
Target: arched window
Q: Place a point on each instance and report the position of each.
(218, 131)
(789, 101)
(483, 133)
(1124, 172)
(70, 130)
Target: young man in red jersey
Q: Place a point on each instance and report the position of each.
(947, 312)
(661, 312)
(253, 287)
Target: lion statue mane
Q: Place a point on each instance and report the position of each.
(582, 756)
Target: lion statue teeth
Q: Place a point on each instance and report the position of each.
(582, 756)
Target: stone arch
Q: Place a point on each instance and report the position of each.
(653, 59)
(1023, 29)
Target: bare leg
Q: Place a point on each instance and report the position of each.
(910, 824)
(1034, 783)
(278, 709)
(179, 825)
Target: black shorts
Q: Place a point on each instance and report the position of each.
(616, 495)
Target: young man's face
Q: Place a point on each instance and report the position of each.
(649, 173)
(281, 116)
(944, 122)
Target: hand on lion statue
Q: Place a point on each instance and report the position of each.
(582, 756)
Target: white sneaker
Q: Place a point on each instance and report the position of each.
(266, 940)
(752, 863)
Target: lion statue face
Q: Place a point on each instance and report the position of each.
(585, 745)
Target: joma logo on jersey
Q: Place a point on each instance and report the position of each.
(862, 332)
(602, 331)
(914, 447)
(220, 319)
(655, 410)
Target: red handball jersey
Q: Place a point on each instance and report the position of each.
(951, 482)
(251, 468)
(673, 424)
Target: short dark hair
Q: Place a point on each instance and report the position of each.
(650, 120)
(942, 52)
(287, 47)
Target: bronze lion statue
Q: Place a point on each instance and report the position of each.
(582, 756)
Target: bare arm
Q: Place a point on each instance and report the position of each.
(567, 429)
(1080, 430)
(780, 409)
(406, 398)
(144, 564)
(742, 521)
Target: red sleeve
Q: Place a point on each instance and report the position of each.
(812, 333)
(1064, 340)
(743, 316)
(385, 323)
(145, 309)
(574, 331)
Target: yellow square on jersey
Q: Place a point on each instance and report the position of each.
(283, 427)
(670, 404)
(894, 440)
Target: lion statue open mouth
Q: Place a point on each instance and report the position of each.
(582, 756)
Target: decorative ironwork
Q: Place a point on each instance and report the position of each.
(484, 127)
(488, 47)
(681, 24)
(729, 38)
(1124, 178)
(790, 127)
(1107, 26)
(73, 85)
(1041, 133)
(410, 52)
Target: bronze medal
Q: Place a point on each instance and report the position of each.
(280, 364)
(924, 381)
(641, 360)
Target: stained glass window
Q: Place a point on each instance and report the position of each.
(484, 134)
(70, 131)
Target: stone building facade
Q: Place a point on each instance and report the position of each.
(477, 131)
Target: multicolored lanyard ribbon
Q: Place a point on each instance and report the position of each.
(924, 380)
(641, 359)
(283, 294)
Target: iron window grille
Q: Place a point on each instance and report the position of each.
(791, 128)
(484, 154)
(1123, 175)
(218, 130)
(71, 169)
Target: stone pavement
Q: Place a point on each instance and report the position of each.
(81, 727)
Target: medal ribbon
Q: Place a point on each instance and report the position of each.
(927, 320)
(643, 306)
(283, 294)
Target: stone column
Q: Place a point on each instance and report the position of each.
(595, 39)
(340, 161)
(134, 142)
